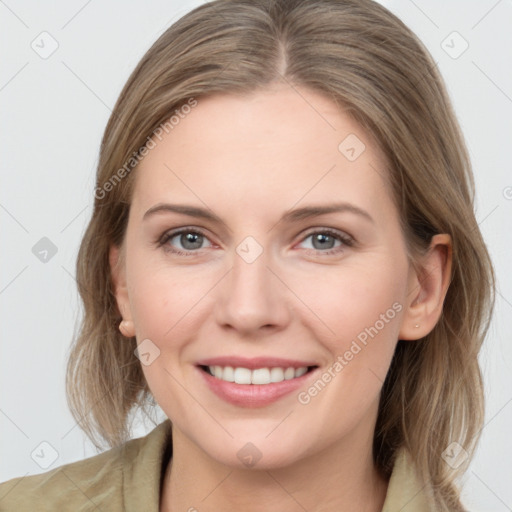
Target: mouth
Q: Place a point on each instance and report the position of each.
(254, 382)
(258, 376)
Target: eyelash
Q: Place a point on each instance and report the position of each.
(346, 240)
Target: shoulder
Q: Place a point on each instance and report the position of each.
(406, 492)
(97, 482)
(78, 483)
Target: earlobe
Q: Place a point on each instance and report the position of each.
(427, 290)
(117, 269)
(127, 328)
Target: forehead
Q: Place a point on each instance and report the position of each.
(281, 143)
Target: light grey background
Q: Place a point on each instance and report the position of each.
(54, 111)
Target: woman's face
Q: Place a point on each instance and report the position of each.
(280, 248)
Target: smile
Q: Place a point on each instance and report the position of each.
(258, 376)
(254, 382)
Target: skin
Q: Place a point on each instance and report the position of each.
(249, 160)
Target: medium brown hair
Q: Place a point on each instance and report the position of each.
(366, 60)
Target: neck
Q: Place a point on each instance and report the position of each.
(341, 478)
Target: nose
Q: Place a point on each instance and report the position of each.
(252, 299)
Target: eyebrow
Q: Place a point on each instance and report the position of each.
(289, 216)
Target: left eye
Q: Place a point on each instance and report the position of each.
(323, 240)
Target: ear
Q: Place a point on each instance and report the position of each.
(427, 290)
(118, 272)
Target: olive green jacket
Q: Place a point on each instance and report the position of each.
(128, 478)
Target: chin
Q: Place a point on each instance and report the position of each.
(257, 452)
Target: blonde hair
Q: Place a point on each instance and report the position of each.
(367, 61)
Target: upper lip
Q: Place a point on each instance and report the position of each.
(254, 362)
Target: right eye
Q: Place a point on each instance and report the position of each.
(183, 241)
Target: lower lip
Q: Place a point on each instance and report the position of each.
(253, 395)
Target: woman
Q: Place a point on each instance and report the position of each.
(283, 254)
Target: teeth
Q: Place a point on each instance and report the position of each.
(228, 374)
(289, 373)
(300, 371)
(276, 375)
(242, 376)
(258, 376)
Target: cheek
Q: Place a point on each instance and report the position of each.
(168, 302)
(168, 305)
(357, 311)
(365, 317)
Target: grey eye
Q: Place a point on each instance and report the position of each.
(322, 241)
(189, 240)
